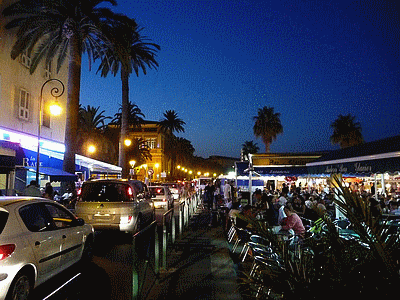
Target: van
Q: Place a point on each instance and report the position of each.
(114, 204)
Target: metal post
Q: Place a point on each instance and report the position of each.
(156, 251)
(164, 244)
(55, 92)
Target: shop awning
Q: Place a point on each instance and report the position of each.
(382, 156)
(56, 174)
(275, 170)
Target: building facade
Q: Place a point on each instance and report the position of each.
(22, 97)
(158, 168)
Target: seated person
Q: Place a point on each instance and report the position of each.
(247, 213)
(292, 221)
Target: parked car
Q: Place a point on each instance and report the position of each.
(174, 188)
(162, 196)
(114, 204)
(39, 238)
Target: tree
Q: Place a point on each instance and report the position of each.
(171, 122)
(130, 52)
(62, 28)
(139, 151)
(346, 132)
(249, 147)
(134, 115)
(91, 132)
(267, 126)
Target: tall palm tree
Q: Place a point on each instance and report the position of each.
(63, 29)
(131, 52)
(267, 125)
(171, 122)
(91, 132)
(346, 132)
(249, 147)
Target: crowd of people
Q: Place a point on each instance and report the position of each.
(288, 207)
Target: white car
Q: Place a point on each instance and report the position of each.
(39, 238)
(161, 196)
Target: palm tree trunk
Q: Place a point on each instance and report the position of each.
(124, 122)
(72, 109)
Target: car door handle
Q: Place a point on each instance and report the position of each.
(37, 243)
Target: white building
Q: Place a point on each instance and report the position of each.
(20, 98)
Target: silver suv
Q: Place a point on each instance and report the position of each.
(114, 204)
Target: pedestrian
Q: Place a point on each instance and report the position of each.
(48, 191)
(32, 190)
(227, 192)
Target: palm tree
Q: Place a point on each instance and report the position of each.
(63, 28)
(91, 132)
(139, 151)
(131, 52)
(134, 116)
(171, 122)
(267, 125)
(346, 132)
(249, 147)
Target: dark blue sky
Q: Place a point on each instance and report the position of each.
(220, 61)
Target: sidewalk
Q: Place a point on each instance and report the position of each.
(199, 265)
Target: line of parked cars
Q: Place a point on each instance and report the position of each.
(40, 238)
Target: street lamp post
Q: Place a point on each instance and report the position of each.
(55, 92)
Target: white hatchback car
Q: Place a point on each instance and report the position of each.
(39, 238)
(161, 196)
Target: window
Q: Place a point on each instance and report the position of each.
(61, 217)
(151, 143)
(26, 59)
(24, 104)
(36, 218)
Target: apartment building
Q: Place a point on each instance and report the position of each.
(21, 96)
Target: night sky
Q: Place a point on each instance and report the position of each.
(220, 61)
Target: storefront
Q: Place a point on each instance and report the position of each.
(376, 163)
(7, 167)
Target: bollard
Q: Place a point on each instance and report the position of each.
(135, 273)
(156, 251)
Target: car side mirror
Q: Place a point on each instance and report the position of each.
(78, 222)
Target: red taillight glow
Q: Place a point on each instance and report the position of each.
(130, 219)
(6, 250)
(165, 200)
(79, 192)
(130, 192)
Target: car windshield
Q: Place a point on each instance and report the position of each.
(3, 220)
(105, 192)
(156, 190)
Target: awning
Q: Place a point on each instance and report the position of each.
(382, 156)
(275, 170)
(55, 174)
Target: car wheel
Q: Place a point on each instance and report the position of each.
(20, 288)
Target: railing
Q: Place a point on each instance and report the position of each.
(151, 251)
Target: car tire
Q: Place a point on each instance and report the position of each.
(20, 288)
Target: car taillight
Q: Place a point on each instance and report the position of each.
(165, 200)
(79, 192)
(130, 192)
(6, 250)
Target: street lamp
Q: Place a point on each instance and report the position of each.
(55, 92)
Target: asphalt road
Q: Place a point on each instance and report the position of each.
(108, 276)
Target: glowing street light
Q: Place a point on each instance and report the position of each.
(92, 149)
(128, 142)
(55, 92)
